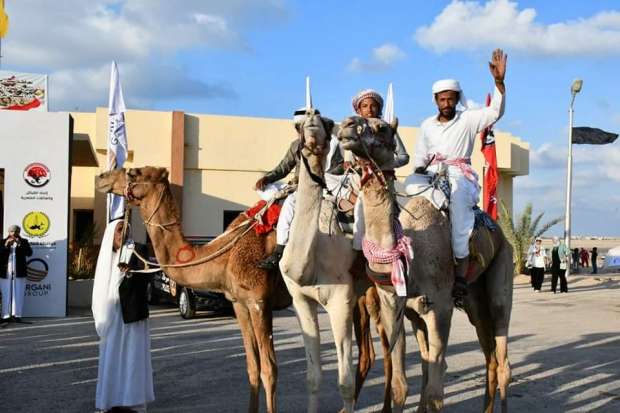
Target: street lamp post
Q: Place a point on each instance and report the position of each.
(574, 89)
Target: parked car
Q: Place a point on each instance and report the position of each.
(163, 289)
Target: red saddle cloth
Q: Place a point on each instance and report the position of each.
(269, 218)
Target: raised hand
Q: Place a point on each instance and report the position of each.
(497, 65)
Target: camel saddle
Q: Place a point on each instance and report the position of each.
(485, 238)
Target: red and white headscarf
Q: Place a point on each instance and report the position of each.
(367, 93)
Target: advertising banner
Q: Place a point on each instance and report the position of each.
(23, 91)
(35, 159)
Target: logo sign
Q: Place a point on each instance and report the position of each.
(23, 91)
(36, 224)
(36, 175)
(36, 270)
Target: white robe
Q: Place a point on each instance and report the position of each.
(125, 376)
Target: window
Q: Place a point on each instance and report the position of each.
(83, 226)
(230, 216)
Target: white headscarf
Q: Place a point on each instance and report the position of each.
(449, 84)
(107, 280)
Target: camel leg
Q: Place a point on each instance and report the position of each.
(419, 330)
(477, 308)
(366, 356)
(306, 310)
(251, 353)
(262, 322)
(499, 283)
(373, 304)
(438, 322)
(389, 317)
(339, 311)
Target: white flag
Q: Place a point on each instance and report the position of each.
(117, 139)
(388, 112)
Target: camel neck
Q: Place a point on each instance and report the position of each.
(170, 246)
(378, 205)
(305, 225)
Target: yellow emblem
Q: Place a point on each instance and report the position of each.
(36, 224)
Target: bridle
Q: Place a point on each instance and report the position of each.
(128, 193)
(370, 168)
(319, 180)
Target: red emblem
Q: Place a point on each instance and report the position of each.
(36, 175)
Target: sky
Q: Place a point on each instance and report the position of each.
(250, 58)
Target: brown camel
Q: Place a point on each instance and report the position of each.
(253, 292)
(234, 272)
(489, 302)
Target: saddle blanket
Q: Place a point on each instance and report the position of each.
(268, 218)
(421, 185)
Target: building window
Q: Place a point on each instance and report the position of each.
(83, 225)
(230, 216)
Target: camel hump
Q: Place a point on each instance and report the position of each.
(484, 244)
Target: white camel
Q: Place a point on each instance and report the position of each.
(315, 265)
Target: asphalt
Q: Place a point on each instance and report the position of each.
(563, 352)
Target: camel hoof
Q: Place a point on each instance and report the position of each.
(435, 404)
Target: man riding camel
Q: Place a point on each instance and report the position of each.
(448, 138)
(368, 104)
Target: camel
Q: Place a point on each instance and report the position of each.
(489, 302)
(315, 265)
(227, 264)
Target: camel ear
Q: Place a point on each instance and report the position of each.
(163, 174)
(328, 124)
(394, 125)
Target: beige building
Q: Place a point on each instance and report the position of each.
(215, 160)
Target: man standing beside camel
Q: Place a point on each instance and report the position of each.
(448, 138)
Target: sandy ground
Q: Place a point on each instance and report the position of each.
(563, 351)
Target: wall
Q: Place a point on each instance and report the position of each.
(223, 156)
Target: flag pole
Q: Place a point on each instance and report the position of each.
(575, 88)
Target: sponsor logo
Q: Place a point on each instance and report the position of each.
(36, 270)
(36, 175)
(36, 224)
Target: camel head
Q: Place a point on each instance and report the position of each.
(135, 184)
(369, 138)
(315, 132)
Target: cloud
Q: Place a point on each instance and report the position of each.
(76, 40)
(589, 161)
(87, 88)
(381, 58)
(501, 23)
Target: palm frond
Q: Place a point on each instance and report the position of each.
(548, 225)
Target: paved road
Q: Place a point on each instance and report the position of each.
(563, 349)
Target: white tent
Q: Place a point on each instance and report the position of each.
(612, 259)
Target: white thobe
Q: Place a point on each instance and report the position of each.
(12, 288)
(455, 140)
(125, 376)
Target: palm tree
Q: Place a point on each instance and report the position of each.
(524, 233)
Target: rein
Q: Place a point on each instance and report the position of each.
(246, 225)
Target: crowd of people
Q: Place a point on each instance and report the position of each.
(539, 260)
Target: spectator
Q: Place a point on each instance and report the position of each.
(537, 260)
(13, 252)
(120, 310)
(594, 258)
(576, 259)
(585, 257)
(559, 260)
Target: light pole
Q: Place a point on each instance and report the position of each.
(574, 89)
